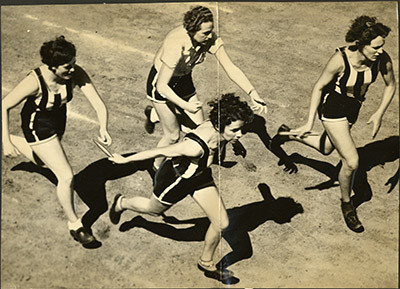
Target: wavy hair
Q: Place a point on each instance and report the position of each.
(196, 16)
(364, 29)
(57, 52)
(227, 109)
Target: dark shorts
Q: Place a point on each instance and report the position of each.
(170, 188)
(40, 125)
(182, 85)
(335, 106)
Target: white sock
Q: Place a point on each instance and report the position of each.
(75, 225)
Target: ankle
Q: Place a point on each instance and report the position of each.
(75, 225)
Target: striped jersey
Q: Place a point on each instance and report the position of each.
(46, 99)
(351, 82)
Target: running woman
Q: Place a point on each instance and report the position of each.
(338, 96)
(46, 90)
(186, 171)
(170, 86)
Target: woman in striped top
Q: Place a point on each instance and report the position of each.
(46, 91)
(338, 95)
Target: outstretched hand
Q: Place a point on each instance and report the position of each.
(257, 103)
(104, 137)
(118, 159)
(302, 131)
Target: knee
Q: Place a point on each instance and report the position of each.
(66, 179)
(222, 224)
(351, 163)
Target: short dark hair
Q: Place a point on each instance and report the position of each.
(364, 29)
(57, 52)
(227, 109)
(196, 16)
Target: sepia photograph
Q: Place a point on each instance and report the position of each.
(225, 144)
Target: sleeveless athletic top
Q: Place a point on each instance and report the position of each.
(48, 100)
(178, 53)
(184, 167)
(353, 83)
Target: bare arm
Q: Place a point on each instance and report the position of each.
(28, 86)
(386, 69)
(89, 90)
(164, 77)
(332, 68)
(187, 148)
(238, 77)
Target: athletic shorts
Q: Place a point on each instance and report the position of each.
(335, 106)
(39, 126)
(182, 85)
(170, 187)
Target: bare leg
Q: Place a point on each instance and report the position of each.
(53, 155)
(339, 133)
(149, 206)
(211, 203)
(24, 148)
(320, 142)
(170, 126)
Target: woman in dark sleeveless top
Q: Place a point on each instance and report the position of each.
(185, 171)
(338, 96)
(46, 91)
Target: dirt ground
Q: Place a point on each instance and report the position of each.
(286, 229)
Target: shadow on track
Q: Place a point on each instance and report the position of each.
(258, 127)
(90, 183)
(242, 220)
(370, 155)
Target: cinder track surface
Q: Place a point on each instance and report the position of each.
(282, 47)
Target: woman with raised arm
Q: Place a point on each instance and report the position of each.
(186, 171)
(45, 92)
(170, 87)
(338, 96)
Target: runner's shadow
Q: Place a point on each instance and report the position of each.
(90, 183)
(242, 220)
(370, 155)
(258, 126)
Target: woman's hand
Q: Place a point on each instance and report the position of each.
(303, 130)
(193, 107)
(118, 159)
(257, 103)
(10, 150)
(104, 137)
(376, 120)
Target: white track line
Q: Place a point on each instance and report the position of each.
(109, 42)
(97, 39)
